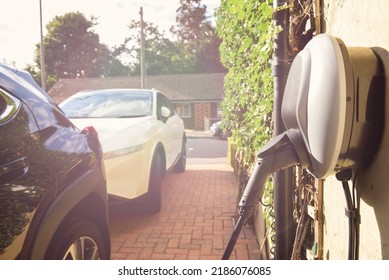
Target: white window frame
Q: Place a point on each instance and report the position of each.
(184, 110)
(219, 110)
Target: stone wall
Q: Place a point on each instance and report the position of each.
(360, 23)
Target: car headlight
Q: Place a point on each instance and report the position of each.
(123, 152)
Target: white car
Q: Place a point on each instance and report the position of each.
(141, 135)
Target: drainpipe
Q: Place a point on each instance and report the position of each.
(283, 180)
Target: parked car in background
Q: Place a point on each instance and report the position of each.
(53, 197)
(141, 135)
(217, 130)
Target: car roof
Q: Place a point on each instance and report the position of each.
(21, 83)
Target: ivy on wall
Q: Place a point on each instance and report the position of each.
(247, 33)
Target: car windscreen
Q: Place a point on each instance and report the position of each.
(111, 104)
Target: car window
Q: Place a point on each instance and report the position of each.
(109, 105)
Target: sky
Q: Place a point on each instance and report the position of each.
(20, 21)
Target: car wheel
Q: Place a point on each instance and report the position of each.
(154, 200)
(77, 239)
(181, 163)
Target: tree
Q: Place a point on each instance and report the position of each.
(195, 50)
(73, 50)
(192, 26)
(198, 36)
(163, 56)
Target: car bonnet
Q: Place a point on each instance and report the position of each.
(116, 134)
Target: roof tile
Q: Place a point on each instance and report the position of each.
(184, 87)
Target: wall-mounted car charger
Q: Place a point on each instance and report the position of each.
(332, 108)
(334, 98)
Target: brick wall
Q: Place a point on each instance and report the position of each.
(201, 110)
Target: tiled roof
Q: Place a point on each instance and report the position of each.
(186, 87)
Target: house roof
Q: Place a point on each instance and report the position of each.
(179, 88)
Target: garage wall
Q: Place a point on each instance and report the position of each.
(360, 23)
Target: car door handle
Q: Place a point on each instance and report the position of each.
(13, 170)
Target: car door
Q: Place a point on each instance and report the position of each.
(172, 132)
(24, 180)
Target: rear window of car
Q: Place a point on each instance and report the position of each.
(109, 104)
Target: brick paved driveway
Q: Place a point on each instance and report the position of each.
(195, 222)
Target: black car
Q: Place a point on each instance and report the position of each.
(53, 197)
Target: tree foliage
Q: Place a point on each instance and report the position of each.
(192, 26)
(247, 34)
(72, 49)
(163, 56)
(194, 50)
(196, 33)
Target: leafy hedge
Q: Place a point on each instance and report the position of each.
(247, 33)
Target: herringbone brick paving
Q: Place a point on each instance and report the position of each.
(195, 222)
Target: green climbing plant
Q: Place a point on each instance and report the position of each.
(247, 32)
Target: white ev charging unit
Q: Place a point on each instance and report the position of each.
(333, 113)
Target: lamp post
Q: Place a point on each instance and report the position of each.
(142, 50)
(43, 72)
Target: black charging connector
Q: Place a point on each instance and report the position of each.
(281, 152)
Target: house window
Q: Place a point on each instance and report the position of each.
(184, 110)
(219, 110)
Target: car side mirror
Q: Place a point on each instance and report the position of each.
(165, 112)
